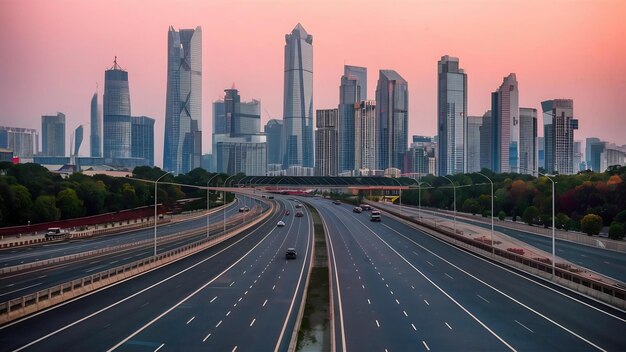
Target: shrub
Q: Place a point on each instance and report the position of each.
(616, 231)
(591, 224)
(501, 215)
(530, 214)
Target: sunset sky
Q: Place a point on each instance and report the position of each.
(53, 53)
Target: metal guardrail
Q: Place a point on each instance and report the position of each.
(33, 302)
(613, 294)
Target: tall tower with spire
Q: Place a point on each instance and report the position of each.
(298, 144)
(116, 121)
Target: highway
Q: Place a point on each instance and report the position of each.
(240, 294)
(606, 262)
(13, 285)
(397, 289)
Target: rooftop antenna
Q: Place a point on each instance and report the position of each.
(115, 65)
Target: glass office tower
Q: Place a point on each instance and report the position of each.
(116, 121)
(95, 138)
(53, 135)
(451, 116)
(352, 91)
(298, 99)
(392, 109)
(182, 149)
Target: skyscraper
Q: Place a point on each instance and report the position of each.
(365, 141)
(298, 99)
(392, 104)
(528, 154)
(95, 138)
(53, 135)
(578, 156)
(558, 126)
(326, 140)
(274, 132)
(78, 139)
(351, 92)
(451, 116)
(23, 142)
(238, 145)
(116, 131)
(485, 141)
(474, 123)
(505, 126)
(588, 154)
(183, 109)
(142, 138)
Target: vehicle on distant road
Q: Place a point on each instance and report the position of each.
(365, 207)
(287, 212)
(375, 218)
(244, 209)
(357, 210)
(291, 253)
(271, 197)
(280, 224)
(375, 212)
(336, 202)
(299, 214)
(299, 205)
(55, 232)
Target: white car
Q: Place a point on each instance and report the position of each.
(280, 224)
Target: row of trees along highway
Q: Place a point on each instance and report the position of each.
(29, 192)
(584, 202)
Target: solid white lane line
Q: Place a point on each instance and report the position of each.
(207, 336)
(377, 324)
(158, 348)
(503, 293)
(483, 298)
(397, 301)
(190, 320)
(425, 345)
(227, 314)
(218, 324)
(524, 326)
(240, 298)
(253, 320)
(413, 325)
(404, 311)
(264, 303)
(245, 293)
(20, 289)
(441, 290)
(448, 325)
(336, 275)
(214, 298)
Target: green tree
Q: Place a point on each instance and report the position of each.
(530, 214)
(562, 221)
(501, 215)
(471, 206)
(21, 205)
(616, 231)
(69, 204)
(45, 209)
(130, 197)
(591, 224)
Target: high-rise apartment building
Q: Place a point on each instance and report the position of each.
(116, 129)
(392, 104)
(558, 126)
(326, 142)
(95, 138)
(528, 141)
(182, 150)
(589, 142)
(365, 138)
(578, 156)
(505, 126)
(53, 135)
(420, 158)
(451, 116)
(23, 142)
(298, 99)
(474, 123)
(274, 133)
(351, 92)
(142, 138)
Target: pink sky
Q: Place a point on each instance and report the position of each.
(52, 54)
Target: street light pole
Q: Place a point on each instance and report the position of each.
(224, 205)
(208, 206)
(155, 211)
(454, 205)
(419, 196)
(493, 250)
(400, 190)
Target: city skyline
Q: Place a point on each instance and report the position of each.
(595, 88)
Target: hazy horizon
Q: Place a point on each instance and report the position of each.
(55, 52)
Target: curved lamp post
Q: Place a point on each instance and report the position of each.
(493, 250)
(208, 206)
(155, 210)
(454, 205)
(419, 198)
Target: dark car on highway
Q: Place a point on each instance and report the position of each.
(291, 253)
(299, 214)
